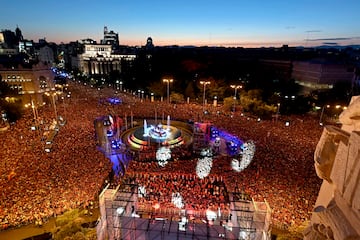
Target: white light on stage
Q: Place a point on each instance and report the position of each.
(244, 235)
(163, 154)
(120, 210)
(206, 152)
(141, 191)
(177, 200)
(247, 156)
(235, 164)
(228, 226)
(217, 142)
(182, 224)
(210, 215)
(135, 215)
(203, 167)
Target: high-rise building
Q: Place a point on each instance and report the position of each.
(110, 37)
(149, 44)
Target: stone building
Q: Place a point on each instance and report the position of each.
(30, 82)
(336, 213)
(110, 38)
(320, 75)
(100, 59)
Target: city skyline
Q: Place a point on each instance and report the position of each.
(199, 23)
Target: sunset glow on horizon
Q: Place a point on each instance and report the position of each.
(201, 23)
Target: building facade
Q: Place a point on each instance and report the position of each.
(336, 214)
(110, 37)
(9, 41)
(31, 83)
(320, 75)
(46, 55)
(100, 59)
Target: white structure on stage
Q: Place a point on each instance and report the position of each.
(122, 218)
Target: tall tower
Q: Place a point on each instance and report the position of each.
(149, 44)
(18, 34)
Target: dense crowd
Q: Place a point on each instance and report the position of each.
(36, 185)
(159, 189)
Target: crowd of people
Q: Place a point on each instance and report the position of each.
(37, 185)
(160, 187)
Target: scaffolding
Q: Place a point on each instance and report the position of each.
(200, 137)
(122, 219)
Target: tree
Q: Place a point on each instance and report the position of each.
(13, 108)
(215, 88)
(176, 97)
(189, 91)
(251, 102)
(158, 88)
(70, 226)
(340, 94)
(228, 103)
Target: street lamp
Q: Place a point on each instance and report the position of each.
(64, 97)
(53, 94)
(322, 113)
(277, 111)
(33, 109)
(204, 83)
(63, 100)
(168, 81)
(215, 101)
(235, 87)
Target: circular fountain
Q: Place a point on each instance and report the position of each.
(158, 134)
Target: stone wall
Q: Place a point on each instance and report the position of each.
(336, 212)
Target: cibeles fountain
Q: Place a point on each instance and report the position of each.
(158, 134)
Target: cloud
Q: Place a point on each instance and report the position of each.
(313, 31)
(330, 43)
(331, 39)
